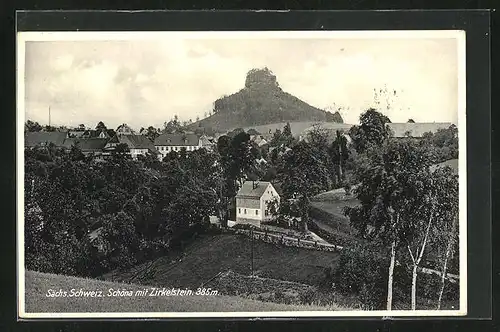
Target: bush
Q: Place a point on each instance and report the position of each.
(364, 273)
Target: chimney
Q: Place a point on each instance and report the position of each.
(254, 185)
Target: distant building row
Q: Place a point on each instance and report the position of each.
(102, 145)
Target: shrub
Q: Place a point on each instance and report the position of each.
(362, 272)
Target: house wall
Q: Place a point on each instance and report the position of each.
(269, 195)
(165, 149)
(248, 208)
(136, 152)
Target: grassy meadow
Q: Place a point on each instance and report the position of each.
(38, 284)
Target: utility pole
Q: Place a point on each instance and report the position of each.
(49, 115)
(251, 253)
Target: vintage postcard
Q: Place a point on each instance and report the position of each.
(241, 174)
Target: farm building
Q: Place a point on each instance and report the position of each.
(252, 202)
(175, 142)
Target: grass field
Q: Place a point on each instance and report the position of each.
(211, 254)
(328, 215)
(38, 285)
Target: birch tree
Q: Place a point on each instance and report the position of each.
(386, 196)
(431, 208)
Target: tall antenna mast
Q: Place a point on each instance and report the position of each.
(49, 115)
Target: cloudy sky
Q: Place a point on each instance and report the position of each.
(147, 82)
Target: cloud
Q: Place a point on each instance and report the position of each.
(145, 83)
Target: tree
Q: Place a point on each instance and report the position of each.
(371, 132)
(411, 121)
(101, 126)
(121, 151)
(172, 126)
(152, 133)
(235, 160)
(387, 196)
(435, 194)
(303, 174)
(447, 215)
(33, 126)
(49, 128)
(76, 153)
(339, 154)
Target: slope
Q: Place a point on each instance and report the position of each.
(261, 102)
(38, 285)
(211, 254)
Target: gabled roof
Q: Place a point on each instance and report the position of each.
(137, 142)
(416, 129)
(177, 140)
(87, 144)
(252, 189)
(32, 139)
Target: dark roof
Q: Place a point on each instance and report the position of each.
(87, 144)
(177, 140)
(137, 142)
(32, 139)
(417, 129)
(253, 189)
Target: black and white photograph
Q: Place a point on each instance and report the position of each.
(241, 174)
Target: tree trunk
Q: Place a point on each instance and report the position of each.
(305, 213)
(445, 265)
(391, 273)
(414, 288)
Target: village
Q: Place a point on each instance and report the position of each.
(256, 196)
(254, 210)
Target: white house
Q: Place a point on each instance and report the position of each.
(252, 202)
(166, 143)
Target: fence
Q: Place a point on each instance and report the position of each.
(288, 241)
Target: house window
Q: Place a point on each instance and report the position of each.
(266, 213)
(256, 212)
(245, 211)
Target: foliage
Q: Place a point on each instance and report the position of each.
(444, 142)
(32, 126)
(303, 174)
(371, 132)
(363, 272)
(172, 126)
(260, 102)
(87, 217)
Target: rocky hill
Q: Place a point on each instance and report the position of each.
(262, 102)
